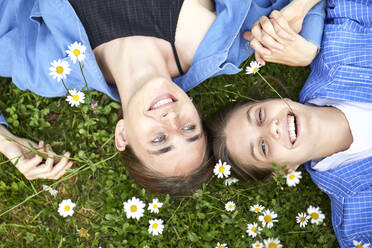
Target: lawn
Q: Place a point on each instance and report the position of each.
(98, 183)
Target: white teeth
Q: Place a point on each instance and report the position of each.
(162, 102)
(291, 128)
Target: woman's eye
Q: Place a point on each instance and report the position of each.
(263, 147)
(189, 127)
(158, 139)
(260, 116)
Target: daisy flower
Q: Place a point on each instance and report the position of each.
(253, 67)
(134, 208)
(293, 178)
(268, 218)
(154, 206)
(66, 208)
(76, 52)
(272, 243)
(230, 206)
(156, 226)
(51, 191)
(230, 181)
(257, 208)
(257, 245)
(253, 229)
(302, 219)
(75, 97)
(82, 232)
(360, 245)
(221, 170)
(221, 245)
(316, 215)
(59, 69)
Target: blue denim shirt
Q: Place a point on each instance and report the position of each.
(33, 33)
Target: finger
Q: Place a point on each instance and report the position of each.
(259, 59)
(25, 165)
(256, 31)
(62, 172)
(248, 35)
(256, 45)
(282, 29)
(270, 43)
(59, 166)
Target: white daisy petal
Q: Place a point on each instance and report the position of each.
(154, 206)
(76, 52)
(293, 178)
(253, 67)
(256, 208)
(253, 229)
(359, 244)
(302, 219)
(222, 170)
(134, 208)
(230, 181)
(66, 208)
(60, 69)
(272, 243)
(221, 245)
(268, 218)
(156, 226)
(316, 215)
(75, 97)
(257, 244)
(230, 206)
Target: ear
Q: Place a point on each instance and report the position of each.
(120, 136)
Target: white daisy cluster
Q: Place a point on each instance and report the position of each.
(61, 68)
(314, 215)
(134, 208)
(267, 219)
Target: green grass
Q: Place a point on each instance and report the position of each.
(101, 186)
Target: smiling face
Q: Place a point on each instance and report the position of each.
(163, 128)
(268, 131)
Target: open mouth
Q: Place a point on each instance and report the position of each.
(292, 128)
(162, 101)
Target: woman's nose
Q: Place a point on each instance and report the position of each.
(171, 118)
(274, 129)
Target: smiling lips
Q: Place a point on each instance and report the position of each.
(162, 101)
(292, 128)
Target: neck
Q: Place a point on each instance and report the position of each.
(131, 63)
(335, 134)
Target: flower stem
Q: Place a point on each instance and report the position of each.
(274, 90)
(64, 85)
(85, 80)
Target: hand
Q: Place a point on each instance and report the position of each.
(29, 163)
(275, 41)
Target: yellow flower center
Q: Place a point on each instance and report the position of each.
(59, 69)
(292, 177)
(155, 206)
(230, 206)
(302, 219)
(272, 245)
(257, 210)
(221, 246)
(359, 246)
(75, 98)
(221, 169)
(83, 232)
(254, 229)
(133, 208)
(155, 225)
(255, 69)
(258, 245)
(315, 216)
(67, 208)
(76, 52)
(268, 218)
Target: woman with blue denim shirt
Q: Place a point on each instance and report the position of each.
(160, 123)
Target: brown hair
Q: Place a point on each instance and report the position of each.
(175, 185)
(217, 127)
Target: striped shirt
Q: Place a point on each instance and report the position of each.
(343, 71)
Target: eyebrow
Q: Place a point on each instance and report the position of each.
(251, 145)
(248, 114)
(171, 147)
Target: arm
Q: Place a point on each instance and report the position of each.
(282, 41)
(29, 163)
